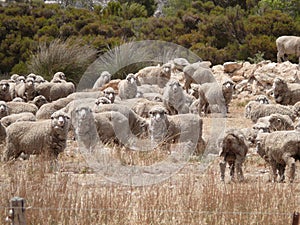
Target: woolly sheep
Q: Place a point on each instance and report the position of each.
(39, 101)
(137, 124)
(276, 122)
(25, 90)
(287, 45)
(158, 75)
(3, 109)
(143, 106)
(58, 77)
(286, 93)
(47, 137)
(183, 128)
(44, 89)
(128, 87)
(104, 78)
(46, 110)
(262, 99)
(280, 148)
(174, 98)
(233, 151)
(18, 107)
(110, 94)
(195, 73)
(85, 94)
(6, 90)
(61, 90)
(24, 116)
(255, 110)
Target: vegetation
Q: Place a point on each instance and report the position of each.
(216, 30)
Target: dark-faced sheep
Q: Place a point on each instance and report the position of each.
(279, 149)
(287, 45)
(255, 110)
(183, 128)
(159, 75)
(233, 152)
(286, 93)
(174, 98)
(47, 137)
(104, 78)
(128, 87)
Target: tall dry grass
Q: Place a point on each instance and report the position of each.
(189, 197)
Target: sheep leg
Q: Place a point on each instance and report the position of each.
(274, 170)
(187, 84)
(232, 169)
(281, 169)
(222, 165)
(239, 171)
(279, 57)
(290, 161)
(10, 152)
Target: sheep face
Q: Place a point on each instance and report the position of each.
(105, 76)
(158, 123)
(175, 86)
(166, 68)
(3, 109)
(131, 78)
(102, 101)
(20, 79)
(80, 120)
(262, 99)
(60, 122)
(4, 87)
(228, 85)
(110, 94)
(40, 100)
(60, 75)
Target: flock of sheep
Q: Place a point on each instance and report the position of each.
(164, 104)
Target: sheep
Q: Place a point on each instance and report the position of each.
(110, 94)
(296, 108)
(137, 124)
(262, 99)
(255, 110)
(47, 137)
(104, 78)
(183, 128)
(6, 90)
(85, 94)
(287, 45)
(233, 151)
(159, 75)
(61, 90)
(3, 109)
(276, 122)
(39, 101)
(128, 87)
(18, 107)
(227, 90)
(83, 122)
(174, 98)
(195, 73)
(279, 149)
(210, 95)
(44, 89)
(46, 110)
(2, 134)
(143, 106)
(58, 77)
(24, 116)
(18, 99)
(148, 88)
(285, 93)
(25, 90)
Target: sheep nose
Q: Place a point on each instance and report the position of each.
(132, 80)
(61, 121)
(111, 95)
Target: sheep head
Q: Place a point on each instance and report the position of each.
(110, 94)
(60, 122)
(158, 123)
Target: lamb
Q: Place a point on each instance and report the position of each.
(211, 98)
(24, 116)
(137, 124)
(103, 79)
(18, 107)
(279, 149)
(159, 75)
(255, 110)
(183, 128)
(277, 122)
(128, 87)
(47, 137)
(174, 98)
(46, 110)
(287, 45)
(3, 109)
(286, 93)
(195, 73)
(233, 150)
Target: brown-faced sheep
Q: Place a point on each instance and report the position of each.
(255, 110)
(174, 98)
(24, 116)
(286, 93)
(103, 79)
(183, 128)
(233, 151)
(47, 137)
(280, 148)
(287, 45)
(128, 87)
(159, 75)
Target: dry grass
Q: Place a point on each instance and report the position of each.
(70, 192)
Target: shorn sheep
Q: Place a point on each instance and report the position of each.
(183, 128)
(286, 93)
(47, 137)
(233, 151)
(287, 45)
(174, 98)
(128, 87)
(279, 149)
(255, 110)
